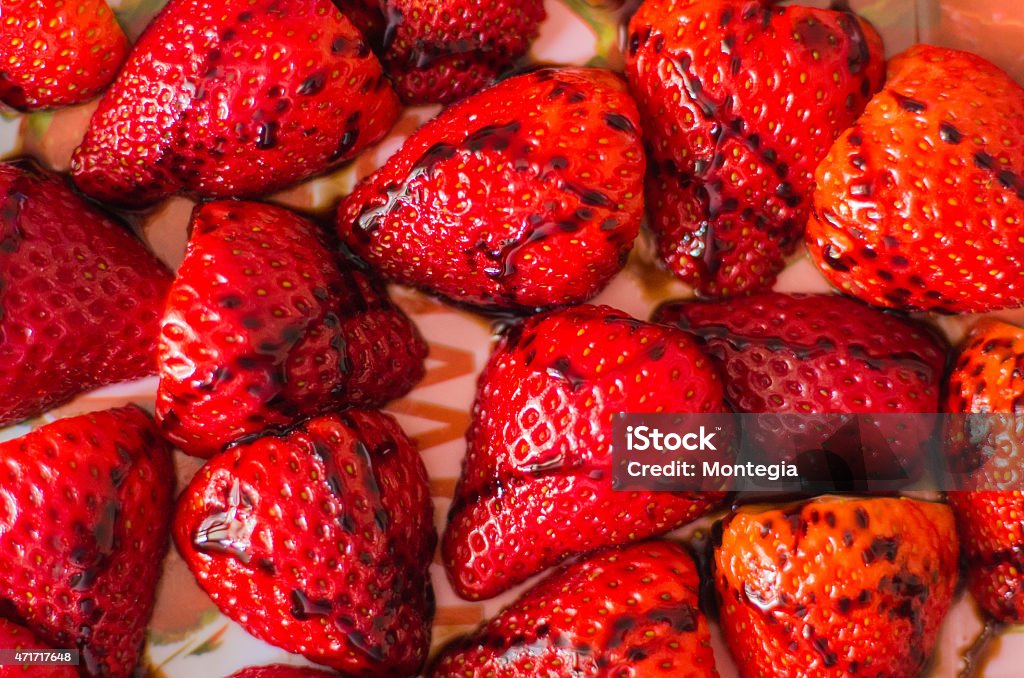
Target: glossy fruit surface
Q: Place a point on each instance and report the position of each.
(84, 523)
(739, 101)
(806, 354)
(627, 611)
(836, 586)
(536, 485)
(525, 195)
(987, 378)
(266, 323)
(441, 51)
(318, 541)
(80, 295)
(919, 204)
(57, 52)
(267, 94)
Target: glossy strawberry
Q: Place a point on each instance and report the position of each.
(266, 323)
(318, 541)
(14, 637)
(739, 101)
(919, 204)
(57, 52)
(803, 354)
(80, 296)
(266, 94)
(536, 483)
(629, 611)
(280, 671)
(988, 378)
(439, 52)
(525, 195)
(83, 530)
(836, 587)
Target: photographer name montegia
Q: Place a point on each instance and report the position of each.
(712, 469)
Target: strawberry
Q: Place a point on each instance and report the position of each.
(918, 205)
(799, 353)
(318, 541)
(280, 671)
(83, 530)
(14, 637)
(80, 296)
(525, 195)
(57, 52)
(284, 329)
(835, 587)
(987, 378)
(368, 17)
(739, 102)
(539, 444)
(439, 52)
(630, 611)
(267, 93)
(987, 375)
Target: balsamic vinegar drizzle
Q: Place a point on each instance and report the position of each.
(981, 650)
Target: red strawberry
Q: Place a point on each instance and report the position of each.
(836, 587)
(439, 52)
(739, 102)
(988, 378)
(796, 353)
(14, 637)
(536, 484)
(266, 324)
(234, 98)
(55, 53)
(630, 611)
(919, 204)
(318, 541)
(367, 16)
(80, 296)
(280, 671)
(83, 530)
(525, 195)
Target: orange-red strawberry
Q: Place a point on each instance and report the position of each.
(536, 486)
(318, 540)
(17, 638)
(823, 354)
(83, 530)
(988, 375)
(266, 323)
(836, 587)
(227, 98)
(80, 296)
(739, 101)
(989, 378)
(57, 52)
(919, 204)
(626, 611)
(440, 51)
(526, 195)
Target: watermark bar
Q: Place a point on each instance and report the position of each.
(39, 657)
(818, 452)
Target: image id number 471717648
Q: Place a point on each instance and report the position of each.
(38, 657)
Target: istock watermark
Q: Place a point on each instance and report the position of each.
(642, 438)
(818, 452)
